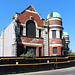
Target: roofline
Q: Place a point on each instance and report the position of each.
(25, 10)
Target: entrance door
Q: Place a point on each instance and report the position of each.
(40, 49)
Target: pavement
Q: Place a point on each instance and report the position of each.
(48, 71)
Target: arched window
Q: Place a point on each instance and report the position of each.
(30, 29)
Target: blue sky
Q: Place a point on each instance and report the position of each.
(65, 7)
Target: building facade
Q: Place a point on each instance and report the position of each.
(29, 31)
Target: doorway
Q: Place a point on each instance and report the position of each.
(40, 49)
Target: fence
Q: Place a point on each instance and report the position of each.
(23, 64)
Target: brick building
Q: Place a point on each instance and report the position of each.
(29, 31)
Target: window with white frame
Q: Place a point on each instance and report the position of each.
(53, 33)
(60, 34)
(54, 50)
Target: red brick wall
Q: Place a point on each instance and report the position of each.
(26, 15)
(58, 50)
(31, 40)
(54, 22)
(56, 41)
(51, 50)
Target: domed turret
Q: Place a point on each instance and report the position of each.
(66, 42)
(54, 22)
(65, 34)
(53, 14)
(54, 18)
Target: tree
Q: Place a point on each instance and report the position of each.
(70, 52)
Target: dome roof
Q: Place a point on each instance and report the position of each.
(53, 14)
(65, 34)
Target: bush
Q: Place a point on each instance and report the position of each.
(22, 55)
(29, 53)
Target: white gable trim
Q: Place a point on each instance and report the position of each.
(32, 11)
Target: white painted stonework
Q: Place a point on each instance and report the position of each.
(45, 42)
(29, 43)
(57, 34)
(7, 41)
(54, 19)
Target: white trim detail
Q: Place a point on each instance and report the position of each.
(29, 43)
(59, 29)
(33, 21)
(40, 28)
(54, 19)
(34, 8)
(56, 45)
(32, 11)
(66, 36)
(54, 54)
(66, 40)
(55, 25)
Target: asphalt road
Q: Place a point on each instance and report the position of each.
(65, 71)
(69, 72)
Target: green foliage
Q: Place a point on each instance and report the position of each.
(14, 73)
(52, 69)
(22, 55)
(70, 52)
(29, 53)
(41, 37)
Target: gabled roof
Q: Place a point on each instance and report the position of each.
(28, 8)
(27, 13)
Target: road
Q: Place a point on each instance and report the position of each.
(65, 71)
(69, 72)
